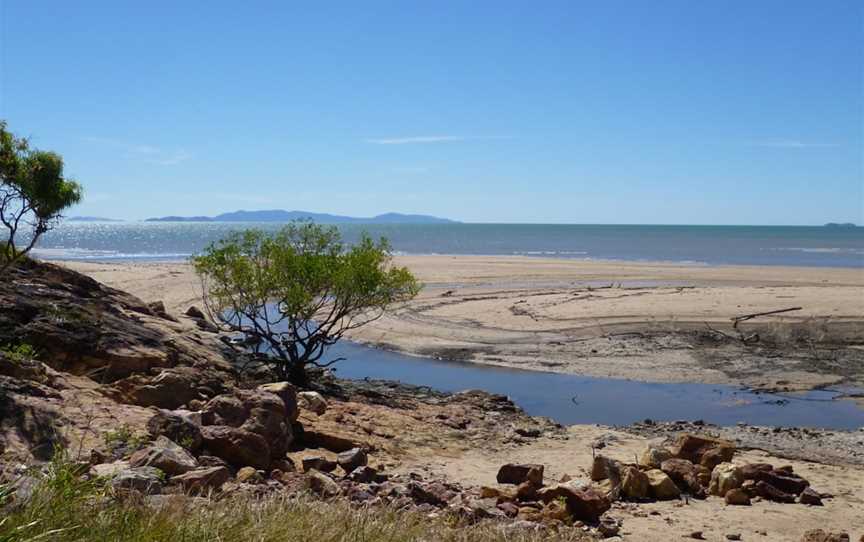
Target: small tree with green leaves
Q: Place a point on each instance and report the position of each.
(297, 292)
(33, 194)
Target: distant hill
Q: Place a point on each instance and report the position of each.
(840, 225)
(277, 215)
(90, 219)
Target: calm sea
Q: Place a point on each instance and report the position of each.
(758, 245)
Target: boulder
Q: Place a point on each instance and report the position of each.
(724, 477)
(603, 468)
(351, 459)
(515, 474)
(199, 480)
(783, 480)
(238, 447)
(170, 388)
(685, 475)
(166, 456)
(771, 493)
(319, 463)
(312, 401)
(737, 497)
(701, 450)
(751, 471)
(322, 485)
(661, 485)
(109, 470)
(654, 456)
(288, 393)
(175, 428)
(195, 312)
(810, 497)
(583, 503)
(257, 411)
(147, 480)
(634, 483)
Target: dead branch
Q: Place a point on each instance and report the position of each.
(738, 319)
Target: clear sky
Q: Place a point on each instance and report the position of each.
(704, 112)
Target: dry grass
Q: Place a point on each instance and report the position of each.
(67, 507)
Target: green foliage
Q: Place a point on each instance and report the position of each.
(33, 194)
(298, 291)
(66, 507)
(124, 437)
(19, 352)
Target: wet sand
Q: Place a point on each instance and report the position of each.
(642, 321)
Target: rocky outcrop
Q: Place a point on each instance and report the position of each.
(237, 446)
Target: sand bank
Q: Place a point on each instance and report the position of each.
(645, 321)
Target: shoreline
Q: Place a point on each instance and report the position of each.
(644, 322)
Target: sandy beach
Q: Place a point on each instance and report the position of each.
(642, 321)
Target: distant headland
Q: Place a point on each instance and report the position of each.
(277, 215)
(840, 225)
(91, 219)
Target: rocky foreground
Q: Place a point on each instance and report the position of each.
(153, 404)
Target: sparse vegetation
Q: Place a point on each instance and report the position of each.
(295, 293)
(124, 437)
(65, 506)
(33, 194)
(18, 353)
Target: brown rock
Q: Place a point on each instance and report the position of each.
(811, 497)
(818, 535)
(199, 480)
(239, 447)
(751, 471)
(694, 448)
(583, 503)
(685, 475)
(288, 393)
(312, 401)
(319, 463)
(737, 497)
(363, 474)
(527, 491)
(767, 491)
(509, 509)
(785, 481)
(516, 474)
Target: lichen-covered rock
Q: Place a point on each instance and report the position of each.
(175, 428)
(661, 485)
(257, 411)
(146, 480)
(634, 483)
(654, 456)
(725, 477)
(603, 468)
(323, 485)
(166, 456)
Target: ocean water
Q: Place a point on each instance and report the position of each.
(742, 245)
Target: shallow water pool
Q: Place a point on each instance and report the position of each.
(572, 399)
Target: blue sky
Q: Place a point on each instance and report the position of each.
(674, 112)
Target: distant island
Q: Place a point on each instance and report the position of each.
(277, 215)
(91, 219)
(840, 225)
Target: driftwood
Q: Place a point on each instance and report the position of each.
(738, 319)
